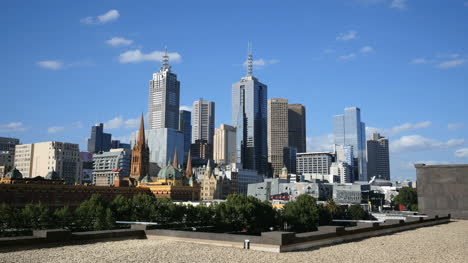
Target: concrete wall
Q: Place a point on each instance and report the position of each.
(443, 189)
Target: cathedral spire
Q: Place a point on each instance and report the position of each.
(176, 159)
(165, 61)
(141, 132)
(249, 59)
(188, 170)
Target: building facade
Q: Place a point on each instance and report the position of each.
(350, 130)
(164, 98)
(109, 166)
(214, 186)
(7, 153)
(249, 116)
(201, 149)
(224, 145)
(140, 156)
(378, 158)
(99, 141)
(39, 159)
(203, 120)
(185, 126)
(297, 127)
(314, 163)
(277, 135)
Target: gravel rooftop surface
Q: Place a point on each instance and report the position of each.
(442, 243)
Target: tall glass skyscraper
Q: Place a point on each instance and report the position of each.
(185, 126)
(164, 98)
(349, 130)
(249, 116)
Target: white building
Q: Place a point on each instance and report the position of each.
(164, 98)
(39, 159)
(342, 171)
(109, 166)
(314, 163)
(224, 148)
(203, 120)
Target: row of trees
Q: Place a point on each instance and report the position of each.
(238, 214)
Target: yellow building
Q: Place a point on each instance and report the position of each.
(214, 186)
(173, 184)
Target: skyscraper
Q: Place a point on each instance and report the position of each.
(249, 116)
(185, 126)
(297, 127)
(203, 120)
(349, 130)
(164, 96)
(224, 145)
(99, 141)
(378, 160)
(277, 133)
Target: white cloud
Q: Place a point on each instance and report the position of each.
(259, 63)
(323, 143)
(350, 35)
(110, 16)
(347, 57)
(462, 153)
(419, 61)
(416, 143)
(455, 126)
(55, 129)
(187, 108)
(366, 49)
(12, 127)
(50, 64)
(452, 63)
(119, 41)
(400, 4)
(119, 122)
(136, 56)
(398, 129)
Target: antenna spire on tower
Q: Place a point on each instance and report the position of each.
(165, 61)
(249, 59)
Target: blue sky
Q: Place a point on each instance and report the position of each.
(67, 65)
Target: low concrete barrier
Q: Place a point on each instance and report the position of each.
(278, 241)
(274, 241)
(57, 237)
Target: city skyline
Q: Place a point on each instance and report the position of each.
(419, 104)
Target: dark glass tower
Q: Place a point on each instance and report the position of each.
(99, 141)
(185, 126)
(249, 116)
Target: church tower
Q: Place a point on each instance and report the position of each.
(140, 155)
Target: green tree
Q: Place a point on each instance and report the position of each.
(356, 212)
(91, 214)
(122, 208)
(245, 213)
(407, 196)
(63, 218)
(8, 218)
(143, 207)
(36, 216)
(302, 214)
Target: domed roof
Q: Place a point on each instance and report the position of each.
(52, 175)
(170, 172)
(14, 174)
(146, 180)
